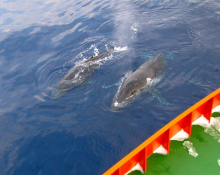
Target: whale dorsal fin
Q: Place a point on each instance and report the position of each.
(90, 58)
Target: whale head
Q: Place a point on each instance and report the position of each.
(128, 91)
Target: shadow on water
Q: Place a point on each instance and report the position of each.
(58, 152)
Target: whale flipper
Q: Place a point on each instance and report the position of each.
(106, 87)
(155, 93)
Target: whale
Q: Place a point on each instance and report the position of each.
(141, 80)
(79, 74)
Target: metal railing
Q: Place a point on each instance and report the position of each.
(162, 137)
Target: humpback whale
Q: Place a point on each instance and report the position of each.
(79, 74)
(142, 80)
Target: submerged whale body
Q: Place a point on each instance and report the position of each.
(142, 80)
(79, 74)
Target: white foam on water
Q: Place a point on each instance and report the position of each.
(81, 55)
(96, 51)
(103, 60)
(116, 104)
(120, 49)
(161, 150)
(216, 109)
(136, 167)
(191, 149)
(134, 27)
(92, 46)
(180, 136)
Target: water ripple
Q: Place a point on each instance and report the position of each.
(41, 41)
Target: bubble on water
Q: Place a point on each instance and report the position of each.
(134, 27)
(96, 51)
(120, 49)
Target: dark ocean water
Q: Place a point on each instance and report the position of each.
(78, 133)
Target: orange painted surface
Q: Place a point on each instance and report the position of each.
(162, 137)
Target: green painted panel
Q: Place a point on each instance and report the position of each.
(180, 162)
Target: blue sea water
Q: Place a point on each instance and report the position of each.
(78, 133)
